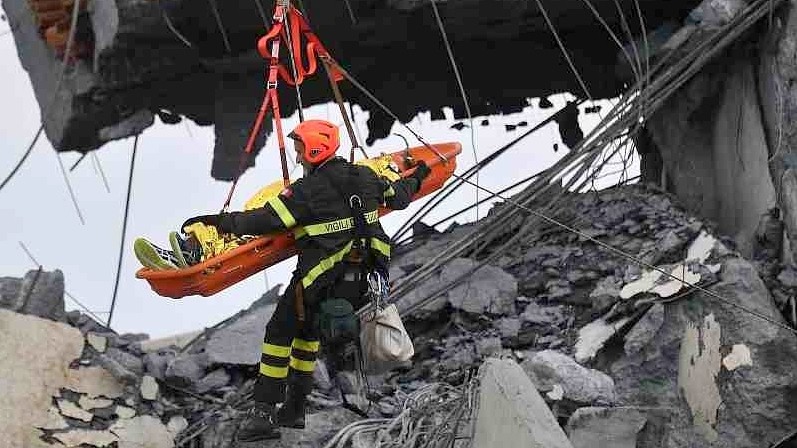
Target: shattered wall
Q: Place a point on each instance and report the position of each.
(174, 58)
(712, 143)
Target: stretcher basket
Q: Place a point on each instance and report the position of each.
(222, 271)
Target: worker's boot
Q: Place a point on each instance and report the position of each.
(291, 414)
(259, 424)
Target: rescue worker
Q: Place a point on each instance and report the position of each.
(321, 208)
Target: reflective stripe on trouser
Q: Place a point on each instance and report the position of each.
(288, 352)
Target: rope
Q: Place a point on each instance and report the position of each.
(294, 71)
(461, 90)
(124, 230)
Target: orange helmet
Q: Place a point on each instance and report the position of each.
(320, 138)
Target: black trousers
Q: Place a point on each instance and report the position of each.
(290, 347)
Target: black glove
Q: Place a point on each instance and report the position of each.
(210, 220)
(421, 171)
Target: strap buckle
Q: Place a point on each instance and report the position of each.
(354, 198)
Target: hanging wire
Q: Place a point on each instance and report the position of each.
(455, 67)
(564, 50)
(98, 168)
(66, 293)
(219, 23)
(46, 111)
(23, 159)
(587, 153)
(124, 231)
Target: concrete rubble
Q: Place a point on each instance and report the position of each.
(675, 369)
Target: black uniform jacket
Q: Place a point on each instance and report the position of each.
(320, 216)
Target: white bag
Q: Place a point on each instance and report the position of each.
(385, 342)
(384, 339)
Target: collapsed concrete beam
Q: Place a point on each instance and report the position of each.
(511, 412)
(173, 58)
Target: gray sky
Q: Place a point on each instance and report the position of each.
(172, 182)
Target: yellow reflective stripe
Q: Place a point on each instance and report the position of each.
(338, 226)
(280, 351)
(308, 346)
(299, 232)
(282, 211)
(381, 246)
(390, 192)
(325, 265)
(273, 372)
(302, 365)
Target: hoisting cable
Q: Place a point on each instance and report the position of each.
(458, 77)
(124, 230)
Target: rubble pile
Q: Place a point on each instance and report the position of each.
(619, 352)
(610, 342)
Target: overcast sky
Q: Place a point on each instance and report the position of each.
(172, 182)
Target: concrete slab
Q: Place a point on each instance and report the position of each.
(511, 412)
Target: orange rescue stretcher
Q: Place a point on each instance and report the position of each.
(224, 270)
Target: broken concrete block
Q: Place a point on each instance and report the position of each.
(125, 412)
(42, 294)
(72, 410)
(605, 427)
(511, 412)
(94, 382)
(593, 336)
(240, 342)
(739, 356)
(83, 437)
(54, 420)
(177, 424)
(549, 368)
(213, 380)
(149, 388)
(699, 365)
(644, 330)
(100, 343)
(45, 349)
(94, 403)
(143, 430)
